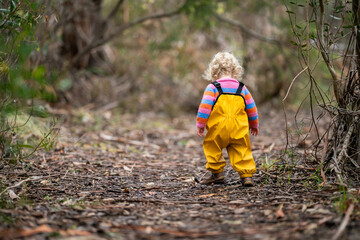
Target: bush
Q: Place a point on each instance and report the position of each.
(21, 83)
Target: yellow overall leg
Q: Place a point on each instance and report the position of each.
(213, 153)
(241, 157)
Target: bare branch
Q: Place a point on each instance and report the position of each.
(344, 222)
(292, 82)
(283, 104)
(248, 31)
(114, 11)
(120, 30)
(324, 54)
(347, 140)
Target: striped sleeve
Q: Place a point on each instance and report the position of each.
(206, 105)
(250, 108)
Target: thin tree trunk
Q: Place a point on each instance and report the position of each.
(356, 11)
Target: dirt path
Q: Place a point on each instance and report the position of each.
(134, 177)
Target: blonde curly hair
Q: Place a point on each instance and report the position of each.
(223, 64)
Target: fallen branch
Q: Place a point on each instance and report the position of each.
(33, 178)
(344, 222)
(285, 178)
(127, 141)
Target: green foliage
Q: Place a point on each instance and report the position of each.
(342, 201)
(20, 81)
(200, 12)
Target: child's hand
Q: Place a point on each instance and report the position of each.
(200, 131)
(254, 131)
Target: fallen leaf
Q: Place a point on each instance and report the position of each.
(318, 210)
(40, 229)
(127, 169)
(74, 232)
(206, 195)
(238, 202)
(44, 182)
(303, 208)
(267, 212)
(239, 210)
(279, 213)
(192, 179)
(236, 222)
(13, 195)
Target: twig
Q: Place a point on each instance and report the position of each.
(346, 142)
(323, 156)
(114, 11)
(37, 146)
(120, 30)
(128, 141)
(344, 222)
(283, 105)
(292, 82)
(325, 54)
(285, 178)
(247, 31)
(33, 178)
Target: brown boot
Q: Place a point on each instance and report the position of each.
(214, 178)
(247, 182)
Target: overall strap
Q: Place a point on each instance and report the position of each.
(238, 91)
(218, 87)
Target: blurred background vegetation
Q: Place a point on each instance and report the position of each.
(135, 56)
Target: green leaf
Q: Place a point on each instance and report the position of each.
(348, 26)
(39, 73)
(12, 5)
(312, 36)
(293, 43)
(334, 17)
(4, 10)
(31, 5)
(290, 12)
(340, 7)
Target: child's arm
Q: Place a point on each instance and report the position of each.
(205, 108)
(200, 131)
(254, 131)
(251, 111)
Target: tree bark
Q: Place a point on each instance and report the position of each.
(81, 24)
(356, 11)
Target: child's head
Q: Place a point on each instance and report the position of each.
(223, 64)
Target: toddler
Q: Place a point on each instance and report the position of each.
(228, 111)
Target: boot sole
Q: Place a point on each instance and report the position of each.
(248, 184)
(217, 181)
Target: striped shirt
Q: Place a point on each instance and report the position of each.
(228, 85)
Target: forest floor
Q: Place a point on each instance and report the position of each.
(113, 176)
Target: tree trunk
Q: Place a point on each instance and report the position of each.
(356, 11)
(81, 24)
(343, 155)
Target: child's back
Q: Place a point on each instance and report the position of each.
(226, 110)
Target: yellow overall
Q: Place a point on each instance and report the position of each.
(228, 127)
